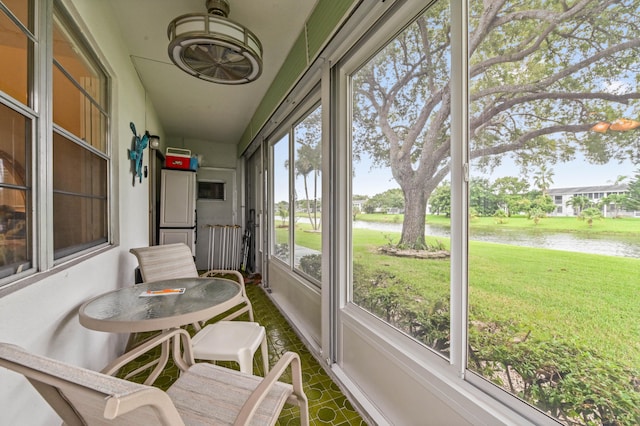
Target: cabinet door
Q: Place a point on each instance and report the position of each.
(172, 236)
(177, 199)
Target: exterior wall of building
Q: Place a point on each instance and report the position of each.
(40, 312)
(562, 198)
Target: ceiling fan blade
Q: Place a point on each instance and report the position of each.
(216, 61)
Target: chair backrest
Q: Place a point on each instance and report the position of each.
(165, 262)
(82, 396)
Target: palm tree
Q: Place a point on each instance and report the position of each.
(579, 203)
(543, 178)
(536, 214)
(283, 211)
(614, 200)
(308, 162)
(590, 214)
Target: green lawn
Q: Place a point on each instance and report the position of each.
(584, 298)
(627, 226)
(588, 299)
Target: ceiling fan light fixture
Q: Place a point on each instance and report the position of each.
(213, 48)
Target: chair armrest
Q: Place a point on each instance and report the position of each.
(248, 308)
(257, 396)
(213, 272)
(153, 398)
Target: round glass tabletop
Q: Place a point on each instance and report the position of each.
(133, 309)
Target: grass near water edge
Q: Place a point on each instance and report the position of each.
(589, 299)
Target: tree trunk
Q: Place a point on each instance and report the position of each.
(316, 225)
(306, 196)
(415, 206)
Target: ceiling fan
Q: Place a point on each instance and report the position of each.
(213, 48)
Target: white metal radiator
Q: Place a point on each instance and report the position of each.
(225, 247)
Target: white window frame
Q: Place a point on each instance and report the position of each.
(454, 371)
(42, 144)
(75, 27)
(287, 127)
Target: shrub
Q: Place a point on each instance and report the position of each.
(394, 300)
(312, 265)
(282, 250)
(501, 217)
(570, 382)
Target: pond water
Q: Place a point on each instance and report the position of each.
(597, 244)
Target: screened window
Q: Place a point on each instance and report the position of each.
(15, 192)
(400, 138)
(16, 132)
(80, 158)
(297, 190)
(79, 155)
(553, 299)
(547, 283)
(281, 200)
(307, 136)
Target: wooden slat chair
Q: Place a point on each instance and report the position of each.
(204, 393)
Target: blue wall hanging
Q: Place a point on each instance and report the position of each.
(135, 153)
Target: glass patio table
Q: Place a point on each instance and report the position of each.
(158, 306)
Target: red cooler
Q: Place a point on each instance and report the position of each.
(178, 158)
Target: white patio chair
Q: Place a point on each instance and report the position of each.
(219, 341)
(235, 341)
(176, 261)
(204, 393)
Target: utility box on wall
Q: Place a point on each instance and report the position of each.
(212, 190)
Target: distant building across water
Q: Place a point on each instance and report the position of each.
(563, 199)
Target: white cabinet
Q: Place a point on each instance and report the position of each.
(178, 235)
(178, 199)
(177, 223)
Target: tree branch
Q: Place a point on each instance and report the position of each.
(521, 142)
(546, 82)
(488, 114)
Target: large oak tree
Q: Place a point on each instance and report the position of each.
(542, 73)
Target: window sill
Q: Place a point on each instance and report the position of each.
(20, 283)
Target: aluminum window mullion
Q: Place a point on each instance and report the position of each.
(18, 23)
(328, 287)
(43, 138)
(83, 144)
(82, 90)
(459, 184)
(292, 198)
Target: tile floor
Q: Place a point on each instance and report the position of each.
(327, 404)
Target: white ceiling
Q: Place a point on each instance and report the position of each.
(191, 108)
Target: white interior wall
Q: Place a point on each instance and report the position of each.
(217, 163)
(42, 316)
(214, 153)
